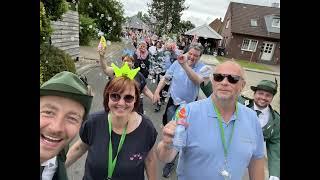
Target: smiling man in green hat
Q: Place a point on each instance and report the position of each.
(269, 120)
(65, 100)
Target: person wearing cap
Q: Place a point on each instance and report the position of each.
(223, 137)
(65, 100)
(269, 120)
(119, 141)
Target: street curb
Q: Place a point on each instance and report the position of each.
(252, 70)
(85, 68)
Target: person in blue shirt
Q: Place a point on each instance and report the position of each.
(223, 137)
(185, 76)
(169, 55)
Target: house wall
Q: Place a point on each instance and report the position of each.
(233, 50)
(65, 34)
(226, 32)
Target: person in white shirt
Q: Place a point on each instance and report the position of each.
(65, 101)
(269, 120)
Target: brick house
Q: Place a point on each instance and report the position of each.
(252, 32)
(216, 25)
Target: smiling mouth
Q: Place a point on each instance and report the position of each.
(49, 139)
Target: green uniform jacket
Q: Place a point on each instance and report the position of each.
(271, 133)
(61, 172)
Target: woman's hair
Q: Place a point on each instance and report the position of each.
(128, 57)
(119, 85)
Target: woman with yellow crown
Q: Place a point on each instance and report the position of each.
(139, 78)
(119, 141)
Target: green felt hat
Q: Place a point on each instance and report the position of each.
(69, 85)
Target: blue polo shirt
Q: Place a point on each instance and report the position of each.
(203, 157)
(182, 88)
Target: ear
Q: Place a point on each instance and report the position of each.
(243, 84)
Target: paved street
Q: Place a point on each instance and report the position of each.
(98, 80)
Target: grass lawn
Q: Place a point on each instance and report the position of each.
(247, 64)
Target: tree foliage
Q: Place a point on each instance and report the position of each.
(107, 15)
(55, 8)
(185, 26)
(53, 61)
(50, 10)
(167, 14)
(87, 30)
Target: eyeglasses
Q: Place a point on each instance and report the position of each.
(233, 79)
(115, 97)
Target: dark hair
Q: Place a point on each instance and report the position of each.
(119, 85)
(127, 56)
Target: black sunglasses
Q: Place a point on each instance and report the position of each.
(233, 79)
(115, 97)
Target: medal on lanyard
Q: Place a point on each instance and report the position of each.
(112, 163)
(225, 170)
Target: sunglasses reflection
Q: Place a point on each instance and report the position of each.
(233, 79)
(115, 97)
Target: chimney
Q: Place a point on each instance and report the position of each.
(276, 5)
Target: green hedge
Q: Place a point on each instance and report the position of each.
(87, 30)
(45, 28)
(53, 61)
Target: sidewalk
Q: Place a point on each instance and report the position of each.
(212, 60)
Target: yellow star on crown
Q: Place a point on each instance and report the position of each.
(125, 71)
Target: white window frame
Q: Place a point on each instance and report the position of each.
(228, 24)
(252, 21)
(249, 45)
(276, 25)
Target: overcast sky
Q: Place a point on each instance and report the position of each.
(199, 12)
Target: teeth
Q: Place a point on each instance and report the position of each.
(52, 138)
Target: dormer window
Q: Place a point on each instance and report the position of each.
(254, 22)
(276, 22)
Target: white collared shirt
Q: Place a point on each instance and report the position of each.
(263, 119)
(49, 169)
(263, 116)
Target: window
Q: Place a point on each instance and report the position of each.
(249, 45)
(276, 22)
(228, 24)
(254, 22)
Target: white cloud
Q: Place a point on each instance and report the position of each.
(199, 11)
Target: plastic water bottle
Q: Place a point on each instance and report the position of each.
(179, 139)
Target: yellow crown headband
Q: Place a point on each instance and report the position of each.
(125, 71)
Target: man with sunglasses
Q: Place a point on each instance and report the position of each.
(269, 120)
(185, 76)
(65, 100)
(223, 137)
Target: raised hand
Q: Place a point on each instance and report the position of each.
(182, 58)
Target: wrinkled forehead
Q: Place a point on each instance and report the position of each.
(194, 52)
(228, 68)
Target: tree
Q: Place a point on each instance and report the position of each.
(55, 8)
(50, 10)
(185, 26)
(107, 14)
(167, 14)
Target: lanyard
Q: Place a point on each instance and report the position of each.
(225, 148)
(112, 163)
